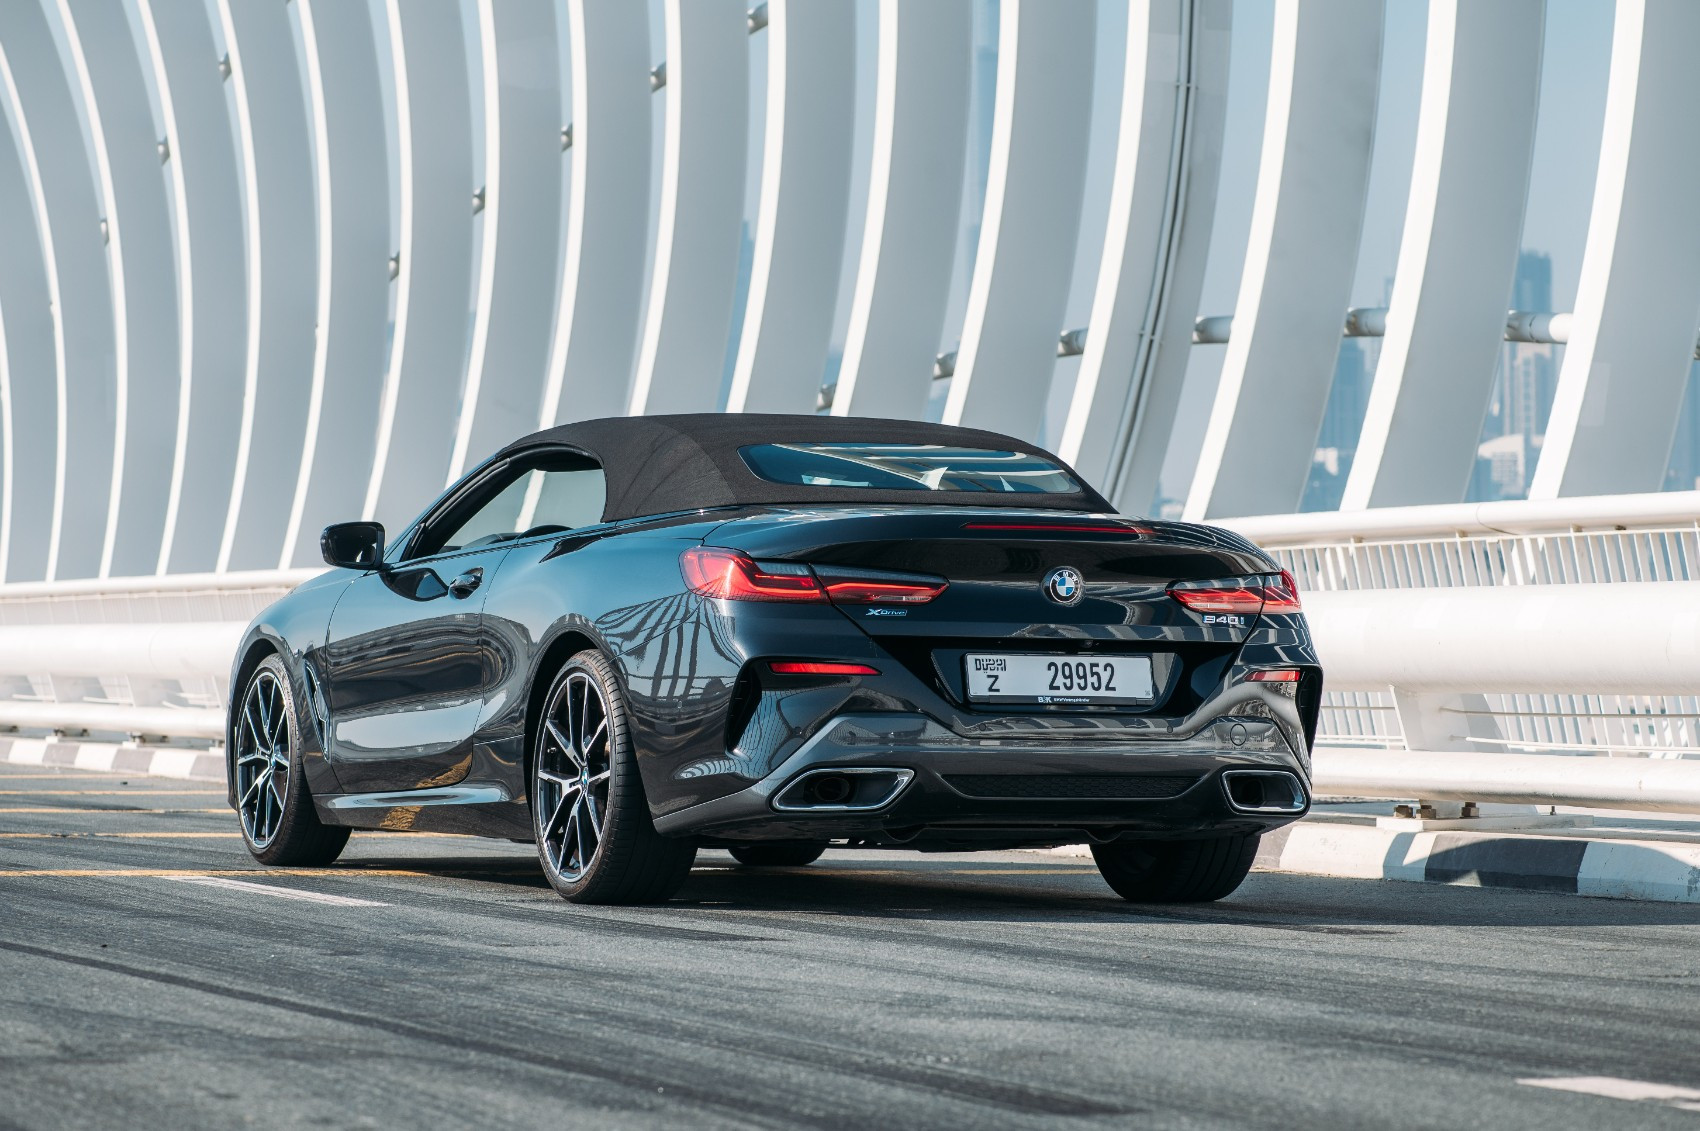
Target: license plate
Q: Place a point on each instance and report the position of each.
(1017, 678)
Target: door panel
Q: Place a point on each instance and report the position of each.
(407, 667)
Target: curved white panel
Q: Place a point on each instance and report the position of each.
(1032, 217)
(353, 271)
(1162, 204)
(522, 222)
(211, 285)
(590, 363)
(277, 168)
(144, 281)
(434, 285)
(26, 366)
(1446, 321)
(1306, 219)
(67, 209)
(914, 201)
(805, 190)
(702, 207)
(1638, 301)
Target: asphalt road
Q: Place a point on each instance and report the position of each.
(152, 976)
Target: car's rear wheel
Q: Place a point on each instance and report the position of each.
(1176, 871)
(779, 853)
(594, 833)
(279, 824)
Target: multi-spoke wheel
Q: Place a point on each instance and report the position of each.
(573, 773)
(262, 758)
(272, 798)
(594, 833)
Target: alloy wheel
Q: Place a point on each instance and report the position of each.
(262, 759)
(573, 773)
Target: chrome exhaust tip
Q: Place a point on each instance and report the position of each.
(842, 790)
(1264, 791)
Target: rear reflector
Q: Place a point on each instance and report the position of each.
(1275, 675)
(733, 576)
(819, 667)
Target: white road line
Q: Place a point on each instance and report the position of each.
(281, 893)
(1612, 1087)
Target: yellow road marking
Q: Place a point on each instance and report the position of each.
(52, 873)
(86, 775)
(60, 873)
(112, 792)
(4, 809)
(107, 836)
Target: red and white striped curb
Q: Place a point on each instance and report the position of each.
(122, 758)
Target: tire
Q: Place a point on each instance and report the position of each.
(595, 838)
(279, 824)
(1176, 871)
(779, 853)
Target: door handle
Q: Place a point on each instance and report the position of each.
(463, 585)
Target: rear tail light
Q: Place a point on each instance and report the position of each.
(846, 586)
(733, 576)
(819, 667)
(1244, 596)
(1281, 594)
(1219, 597)
(884, 592)
(1275, 675)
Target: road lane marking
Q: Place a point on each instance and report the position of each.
(4, 809)
(204, 880)
(172, 835)
(155, 873)
(339, 873)
(1617, 1088)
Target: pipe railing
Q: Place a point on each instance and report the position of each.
(1447, 676)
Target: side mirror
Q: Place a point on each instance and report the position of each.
(353, 545)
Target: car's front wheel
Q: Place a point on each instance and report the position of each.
(779, 853)
(1176, 871)
(279, 824)
(588, 811)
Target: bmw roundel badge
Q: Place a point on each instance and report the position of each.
(1064, 585)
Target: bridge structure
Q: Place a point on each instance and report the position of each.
(266, 265)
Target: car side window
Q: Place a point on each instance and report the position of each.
(550, 493)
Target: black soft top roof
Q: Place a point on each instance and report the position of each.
(660, 464)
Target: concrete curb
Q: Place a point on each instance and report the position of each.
(1665, 871)
(142, 761)
(1618, 869)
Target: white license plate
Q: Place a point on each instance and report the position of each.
(1017, 678)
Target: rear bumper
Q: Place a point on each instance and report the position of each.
(1010, 790)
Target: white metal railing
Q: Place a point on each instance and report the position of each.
(1561, 542)
(1540, 631)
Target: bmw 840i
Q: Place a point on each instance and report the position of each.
(628, 639)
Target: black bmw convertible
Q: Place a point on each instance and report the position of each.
(627, 639)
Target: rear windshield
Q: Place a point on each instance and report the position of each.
(908, 467)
